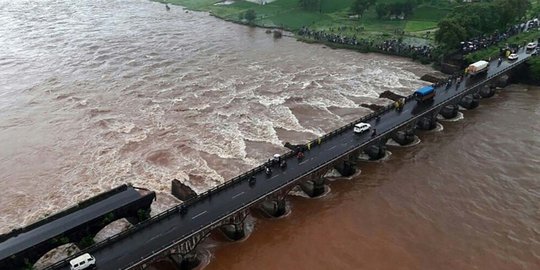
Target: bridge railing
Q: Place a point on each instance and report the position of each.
(65, 212)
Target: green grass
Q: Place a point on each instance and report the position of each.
(429, 13)
(335, 14)
(416, 26)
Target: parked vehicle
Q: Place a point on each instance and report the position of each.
(477, 67)
(513, 56)
(85, 261)
(531, 46)
(424, 94)
(361, 127)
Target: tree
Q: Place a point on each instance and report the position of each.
(382, 10)
(408, 7)
(360, 6)
(310, 4)
(250, 15)
(450, 33)
(511, 11)
(534, 68)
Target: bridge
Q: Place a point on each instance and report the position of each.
(176, 232)
(22, 246)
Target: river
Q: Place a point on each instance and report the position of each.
(95, 94)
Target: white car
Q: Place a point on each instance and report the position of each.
(531, 46)
(361, 127)
(85, 261)
(513, 56)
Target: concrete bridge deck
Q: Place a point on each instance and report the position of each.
(32, 241)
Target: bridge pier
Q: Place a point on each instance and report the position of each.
(234, 232)
(235, 228)
(470, 101)
(487, 91)
(184, 255)
(314, 187)
(449, 111)
(346, 168)
(428, 122)
(181, 191)
(274, 207)
(404, 137)
(375, 151)
(185, 261)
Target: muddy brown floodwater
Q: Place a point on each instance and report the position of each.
(94, 94)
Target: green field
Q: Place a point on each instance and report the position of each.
(331, 16)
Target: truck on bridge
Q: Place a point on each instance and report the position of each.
(424, 94)
(477, 68)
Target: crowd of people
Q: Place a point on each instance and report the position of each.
(395, 46)
(398, 47)
(485, 41)
(392, 46)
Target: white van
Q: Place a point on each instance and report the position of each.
(361, 127)
(85, 261)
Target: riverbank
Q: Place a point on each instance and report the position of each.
(329, 16)
(332, 28)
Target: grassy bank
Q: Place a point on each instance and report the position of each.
(330, 16)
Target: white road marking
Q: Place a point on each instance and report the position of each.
(332, 147)
(305, 161)
(200, 214)
(237, 194)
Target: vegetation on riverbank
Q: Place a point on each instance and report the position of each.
(332, 16)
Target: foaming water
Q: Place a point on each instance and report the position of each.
(458, 117)
(393, 143)
(365, 157)
(99, 93)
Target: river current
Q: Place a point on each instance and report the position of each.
(94, 94)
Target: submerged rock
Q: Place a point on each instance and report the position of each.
(373, 107)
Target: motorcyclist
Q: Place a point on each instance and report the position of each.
(300, 155)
